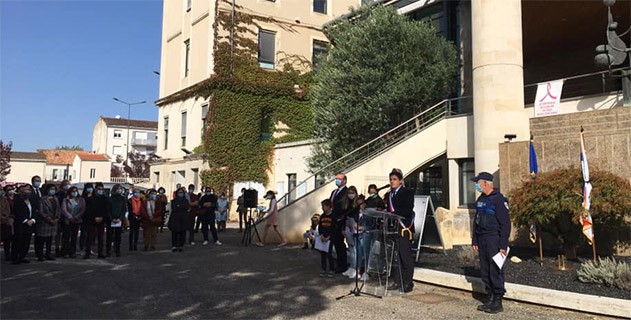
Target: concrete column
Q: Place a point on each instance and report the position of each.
(498, 78)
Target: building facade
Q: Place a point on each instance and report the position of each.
(111, 136)
(285, 28)
(75, 166)
(25, 165)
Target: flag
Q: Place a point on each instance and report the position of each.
(586, 217)
(534, 169)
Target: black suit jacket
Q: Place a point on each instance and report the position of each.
(338, 209)
(36, 199)
(21, 212)
(403, 202)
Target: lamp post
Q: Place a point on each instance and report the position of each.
(128, 122)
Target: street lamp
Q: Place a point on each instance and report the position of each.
(128, 122)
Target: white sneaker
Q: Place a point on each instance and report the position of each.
(218, 243)
(347, 272)
(353, 274)
(192, 243)
(282, 244)
(364, 277)
(260, 244)
(205, 243)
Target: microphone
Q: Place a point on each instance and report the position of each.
(384, 187)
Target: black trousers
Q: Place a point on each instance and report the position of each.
(243, 218)
(114, 237)
(134, 232)
(83, 235)
(21, 244)
(40, 243)
(7, 240)
(191, 230)
(71, 231)
(324, 256)
(491, 274)
(209, 223)
(340, 249)
(178, 238)
(198, 223)
(95, 232)
(406, 260)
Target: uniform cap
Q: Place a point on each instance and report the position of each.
(483, 176)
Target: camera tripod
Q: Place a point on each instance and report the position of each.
(357, 291)
(250, 227)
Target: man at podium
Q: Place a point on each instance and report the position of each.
(400, 201)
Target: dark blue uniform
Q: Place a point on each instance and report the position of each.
(490, 233)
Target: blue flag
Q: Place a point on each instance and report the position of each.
(534, 167)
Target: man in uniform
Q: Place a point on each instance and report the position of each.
(490, 236)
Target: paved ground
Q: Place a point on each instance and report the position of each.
(210, 282)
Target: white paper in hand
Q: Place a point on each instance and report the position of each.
(117, 224)
(322, 245)
(500, 259)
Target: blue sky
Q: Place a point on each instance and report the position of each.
(61, 62)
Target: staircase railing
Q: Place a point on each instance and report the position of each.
(372, 148)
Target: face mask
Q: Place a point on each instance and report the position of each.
(161, 192)
(351, 196)
(136, 194)
(74, 194)
(478, 187)
(191, 190)
(212, 192)
(338, 182)
(36, 184)
(89, 190)
(208, 193)
(66, 187)
(100, 192)
(26, 195)
(11, 192)
(52, 192)
(119, 191)
(180, 194)
(152, 196)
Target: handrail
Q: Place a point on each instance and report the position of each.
(579, 76)
(382, 143)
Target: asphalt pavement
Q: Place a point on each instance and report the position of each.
(221, 282)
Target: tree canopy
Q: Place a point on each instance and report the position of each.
(5, 159)
(381, 70)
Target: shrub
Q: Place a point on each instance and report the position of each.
(607, 272)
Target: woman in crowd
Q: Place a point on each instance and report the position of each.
(118, 204)
(48, 223)
(135, 219)
(6, 219)
(223, 207)
(151, 212)
(95, 217)
(350, 230)
(207, 205)
(88, 192)
(62, 193)
(272, 219)
(162, 202)
(179, 220)
(73, 208)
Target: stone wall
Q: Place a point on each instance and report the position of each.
(557, 142)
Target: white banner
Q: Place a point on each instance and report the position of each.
(548, 98)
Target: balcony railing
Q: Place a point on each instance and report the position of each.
(128, 180)
(144, 142)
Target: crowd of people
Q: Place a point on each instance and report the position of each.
(65, 222)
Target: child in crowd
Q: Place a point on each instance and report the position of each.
(325, 228)
(310, 233)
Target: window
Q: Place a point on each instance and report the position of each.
(118, 134)
(267, 49)
(320, 49)
(66, 174)
(204, 114)
(140, 135)
(156, 176)
(166, 132)
(319, 6)
(195, 176)
(92, 173)
(291, 185)
(183, 129)
(467, 189)
(189, 3)
(117, 150)
(187, 54)
(55, 174)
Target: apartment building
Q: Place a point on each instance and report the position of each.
(111, 136)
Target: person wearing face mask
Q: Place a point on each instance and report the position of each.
(223, 207)
(338, 210)
(374, 200)
(350, 231)
(272, 219)
(62, 193)
(207, 205)
(25, 220)
(73, 208)
(151, 219)
(491, 230)
(400, 201)
(88, 192)
(46, 229)
(36, 183)
(180, 220)
(162, 202)
(135, 219)
(118, 207)
(6, 219)
(95, 218)
(193, 200)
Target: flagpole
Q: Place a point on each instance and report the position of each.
(540, 251)
(594, 248)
